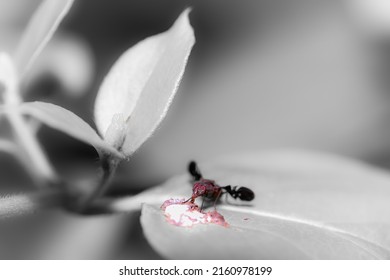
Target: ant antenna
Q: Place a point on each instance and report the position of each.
(194, 171)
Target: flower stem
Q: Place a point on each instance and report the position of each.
(44, 171)
(108, 167)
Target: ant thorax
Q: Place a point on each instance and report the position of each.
(206, 188)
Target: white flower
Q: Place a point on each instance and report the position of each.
(12, 69)
(133, 98)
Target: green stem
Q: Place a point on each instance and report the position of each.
(43, 171)
(23, 204)
(31, 147)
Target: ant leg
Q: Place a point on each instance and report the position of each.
(216, 199)
(194, 171)
(201, 207)
(228, 190)
(226, 199)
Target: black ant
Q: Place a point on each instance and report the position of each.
(210, 190)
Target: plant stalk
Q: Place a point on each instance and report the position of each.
(108, 169)
(44, 171)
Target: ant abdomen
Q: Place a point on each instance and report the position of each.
(245, 194)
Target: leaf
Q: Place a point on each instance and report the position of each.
(307, 205)
(69, 60)
(374, 15)
(8, 80)
(7, 72)
(255, 236)
(67, 122)
(8, 147)
(142, 83)
(40, 29)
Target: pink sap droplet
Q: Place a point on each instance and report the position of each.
(216, 218)
(186, 214)
(172, 201)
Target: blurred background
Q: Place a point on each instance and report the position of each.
(264, 74)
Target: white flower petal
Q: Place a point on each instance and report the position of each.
(67, 122)
(7, 71)
(307, 205)
(142, 83)
(8, 147)
(255, 235)
(374, 15)
(8, 80)
(39, 31)
(69, 60)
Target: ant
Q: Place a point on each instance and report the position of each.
(210, 190)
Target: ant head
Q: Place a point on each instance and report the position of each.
(198, 190)
(194, 171)
(246, 194)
